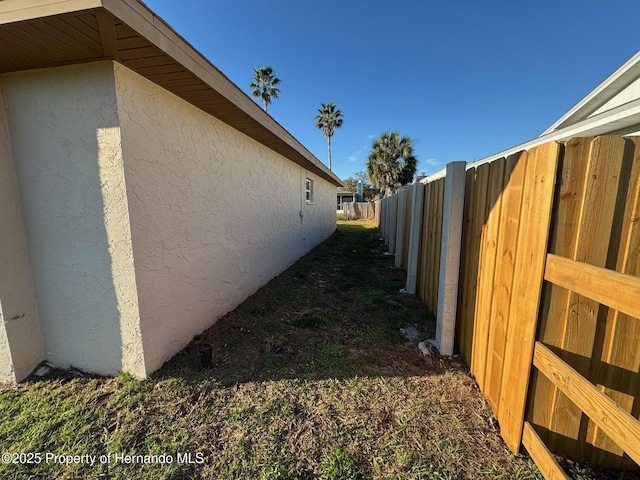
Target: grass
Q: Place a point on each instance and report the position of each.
(311, 379)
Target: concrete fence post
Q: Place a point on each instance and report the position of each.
(414, 237)
(450, 256)
(400, 216)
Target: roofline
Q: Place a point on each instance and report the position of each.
(614, 121)
(142, 20)
(604, 92)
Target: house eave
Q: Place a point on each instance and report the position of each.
(617, 121)
(609, 88)
(48, 33)
(621, 120)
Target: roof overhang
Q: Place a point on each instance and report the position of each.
(49, 33)
(609, 88)
(621, 120)
(584, 120)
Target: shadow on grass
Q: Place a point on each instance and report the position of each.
(350, 397)
(336, 313)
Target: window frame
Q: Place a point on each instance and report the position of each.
(308, 191)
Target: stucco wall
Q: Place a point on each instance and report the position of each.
(21, 347)
(214, 214)
(64, 131)
(143, 219)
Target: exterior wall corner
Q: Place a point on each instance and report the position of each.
(65, 136)
(21, 345)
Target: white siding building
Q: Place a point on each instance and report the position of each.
(612, 108)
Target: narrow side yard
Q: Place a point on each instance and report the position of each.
(311, 379)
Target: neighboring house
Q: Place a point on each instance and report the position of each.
(345, 196)
(612, 108)
(143, 195)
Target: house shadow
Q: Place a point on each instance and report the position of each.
(336, 313)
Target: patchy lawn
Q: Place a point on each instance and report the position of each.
(311, 379)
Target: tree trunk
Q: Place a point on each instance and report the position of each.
(329, 148)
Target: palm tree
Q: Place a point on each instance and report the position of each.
(327, 120)
(391, 161)
(264, 85)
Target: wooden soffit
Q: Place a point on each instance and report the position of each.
(48, 33)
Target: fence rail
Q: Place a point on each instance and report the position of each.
(548, 291)
(619, 425)
(617, 290)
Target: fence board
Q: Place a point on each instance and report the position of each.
(431, 242)
(401, 219)
(438, 244)
(393, 219)
(529, 267)
(388, 204)
(384, 211)
(488, 254)
(617, 423)
(387, 219)
(407, 227)
(468, 273)
(417, 202)
(506, 253)
(424, 245)
(481, 209)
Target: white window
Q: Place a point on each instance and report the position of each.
(308, 190)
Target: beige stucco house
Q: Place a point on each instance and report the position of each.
(142, 194)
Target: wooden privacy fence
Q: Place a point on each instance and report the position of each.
(396, 224)
(359, 210)
(548, 297)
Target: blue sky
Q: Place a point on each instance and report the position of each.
(463, 78)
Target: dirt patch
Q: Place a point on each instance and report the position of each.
(336, 313)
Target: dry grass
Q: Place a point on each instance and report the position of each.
(311, 380)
